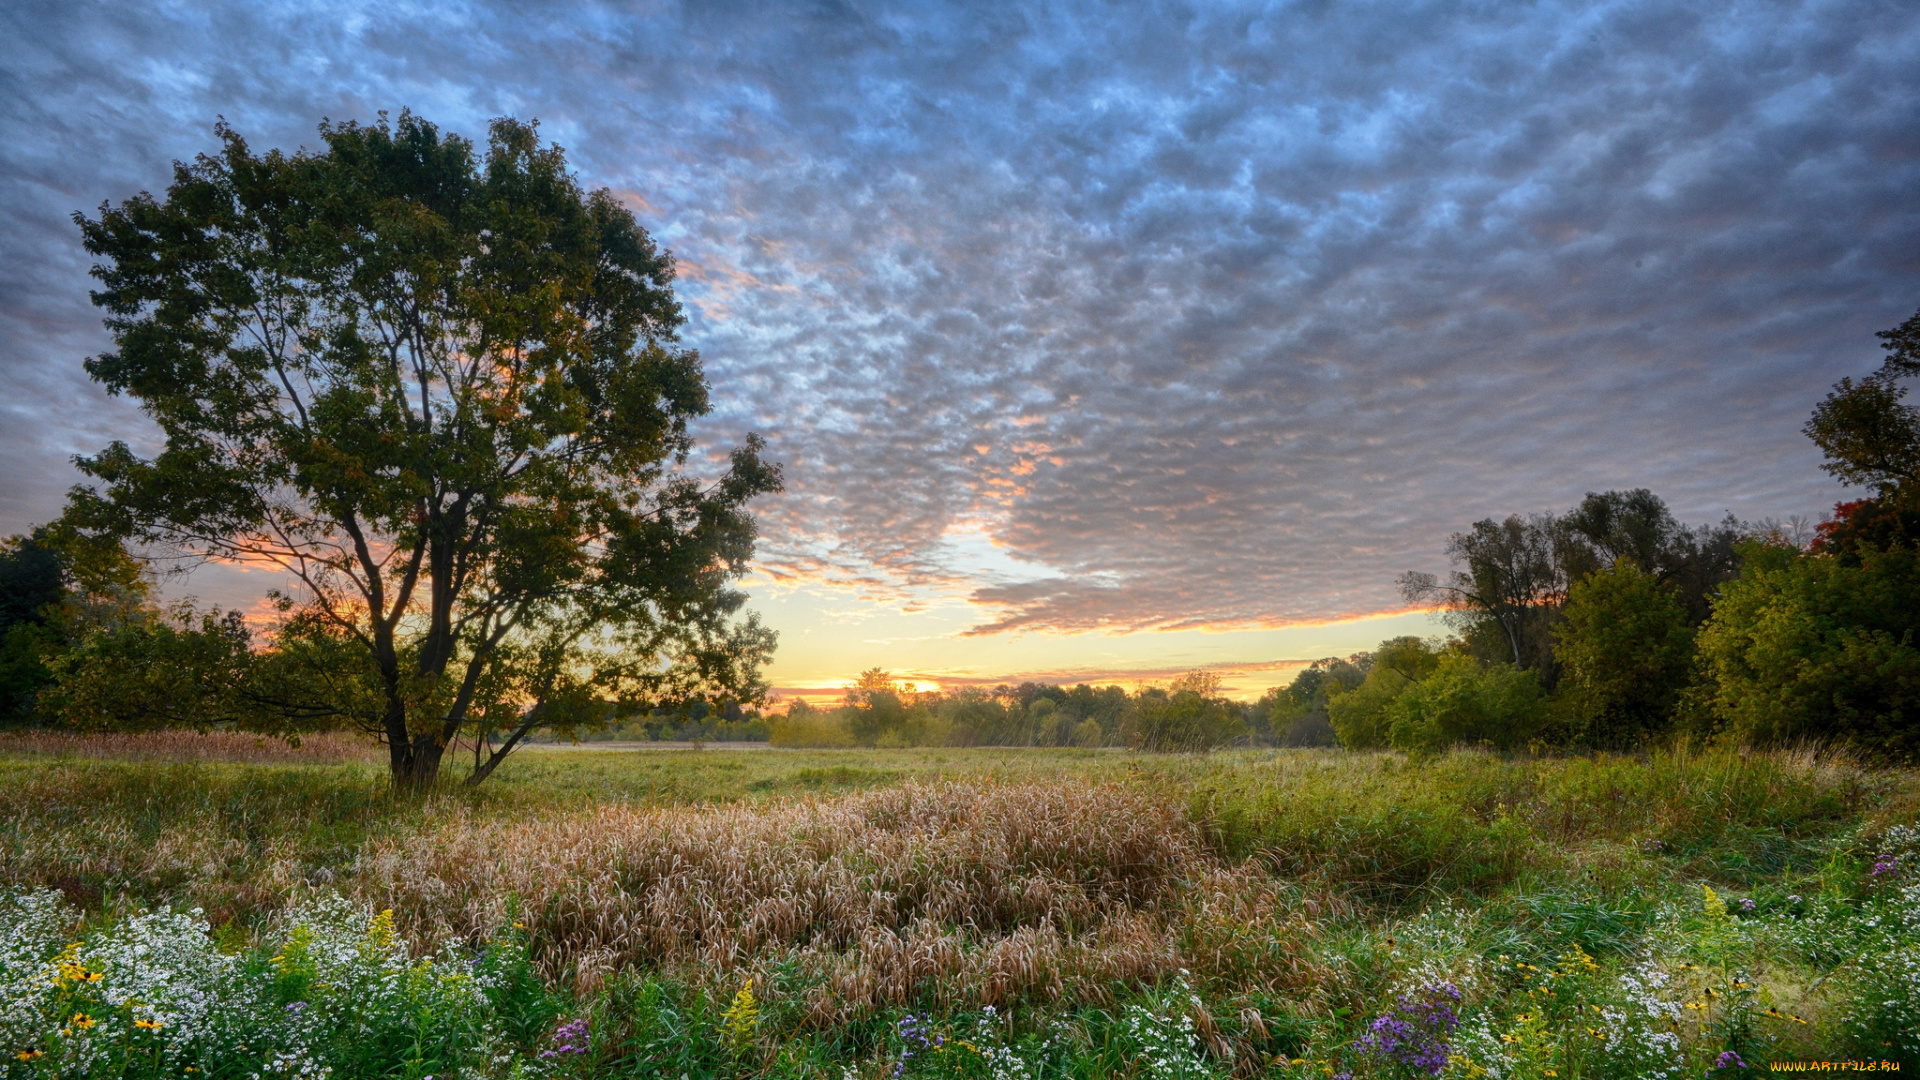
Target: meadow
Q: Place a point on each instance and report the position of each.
(181, 905)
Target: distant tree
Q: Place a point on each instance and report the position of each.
(1513, 577)
(1609, 527)
(56, 587)
(1869, 434)
(443, 390)
(1878, 524)
(1189, 714)
(1296, 714)
(1871, 438)
(976, 716)
(1104, 706)
(1824, 644)
(1625, 646)
(877, 704)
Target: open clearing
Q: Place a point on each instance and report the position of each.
(1599, 914)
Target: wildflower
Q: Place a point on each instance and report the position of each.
(29, 1055)
(1746, 903)
(82, 1021)
(148, 1025)
(742, 1018)
(1729, 1060)
(1415, 1032)
(564, 1039)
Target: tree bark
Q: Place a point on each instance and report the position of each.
(424, 769)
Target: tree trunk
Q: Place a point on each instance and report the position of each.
(399, 747)
(424, 768)
(1513, 639)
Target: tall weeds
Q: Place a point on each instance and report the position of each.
(222, 746)
(954, 893)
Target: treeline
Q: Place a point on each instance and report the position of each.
(694, 721)
(1190, 713)
(1613, 626)
(1610, 626)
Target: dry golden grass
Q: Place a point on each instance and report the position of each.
(221, 746)
(965, 893)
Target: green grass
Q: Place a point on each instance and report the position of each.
(1322, 887)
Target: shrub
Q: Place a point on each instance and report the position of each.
(1359, 715)
(1463, 702)
(1809, 647)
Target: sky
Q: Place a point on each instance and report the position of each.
(1100, 341)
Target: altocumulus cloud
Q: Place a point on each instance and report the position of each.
(1208, 315)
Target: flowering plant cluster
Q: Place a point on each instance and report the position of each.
(1168, 1048)
(923, 1049)
(154, 994)
(1414, 1033)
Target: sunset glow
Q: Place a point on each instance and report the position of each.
(1100, 348)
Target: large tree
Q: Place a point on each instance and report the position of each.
(442, 389)
(1612, 527)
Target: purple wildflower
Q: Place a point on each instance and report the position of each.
(569, 1038)
(1887, 865)
(1729, 1060)
(915, 1036)
(1415, 1032)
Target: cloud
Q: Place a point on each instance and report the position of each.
(1209, 315)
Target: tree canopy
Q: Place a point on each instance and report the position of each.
(443, 389)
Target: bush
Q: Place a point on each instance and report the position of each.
(1358, 716)
(1812, 647)
(1465, 703)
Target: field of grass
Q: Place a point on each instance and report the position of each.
(1011, 913)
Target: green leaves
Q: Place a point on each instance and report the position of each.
(1817, 648)
(443, 390)
(1625, 646)
(1867, 431)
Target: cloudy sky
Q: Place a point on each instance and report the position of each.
(1103, 338)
